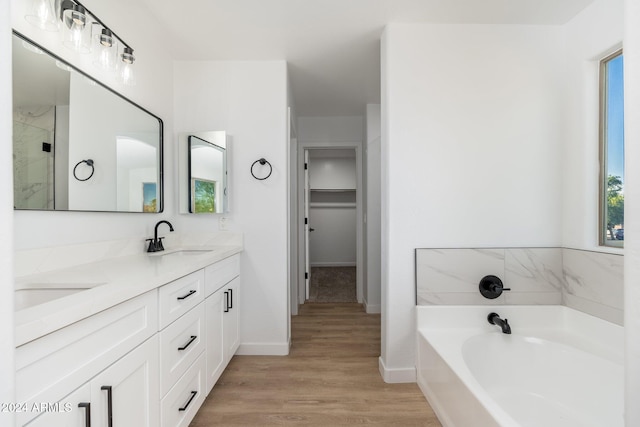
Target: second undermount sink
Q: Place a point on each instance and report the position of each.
(31, 294)
(183, 253)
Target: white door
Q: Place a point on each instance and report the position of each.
(72, 411)
(126, 394)
(307, 226)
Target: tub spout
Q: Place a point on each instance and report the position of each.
(495, 319)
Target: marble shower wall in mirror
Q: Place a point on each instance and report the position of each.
(77, 144)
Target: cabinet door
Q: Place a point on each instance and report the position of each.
(126, 393)
(72, 411)
(214, 306)
(231, 318)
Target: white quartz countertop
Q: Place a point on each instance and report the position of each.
(111, 281)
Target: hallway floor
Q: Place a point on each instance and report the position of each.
(330, 378)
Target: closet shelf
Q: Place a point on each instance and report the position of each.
(325, 205)
(332, 190)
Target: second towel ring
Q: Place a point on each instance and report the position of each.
(262, 161)
(89, 162)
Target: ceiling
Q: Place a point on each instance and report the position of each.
(332, 47)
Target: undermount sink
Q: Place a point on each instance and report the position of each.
(35, 294)
(184, 252)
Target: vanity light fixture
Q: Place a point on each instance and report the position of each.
(105, 49)
(77, 34)
(42, 15)
(125, 72)
(84, 32)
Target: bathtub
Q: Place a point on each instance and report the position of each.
(558, 368)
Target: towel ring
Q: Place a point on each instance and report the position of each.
(89, 162)
(262, 161)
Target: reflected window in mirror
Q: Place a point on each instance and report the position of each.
(61, 119)
(207, 173)
(612, 151)
(203, 174)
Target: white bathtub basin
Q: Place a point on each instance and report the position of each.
(558, 368)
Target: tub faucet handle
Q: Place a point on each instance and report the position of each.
(491, 287)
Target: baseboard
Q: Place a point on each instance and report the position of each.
(394, 376)
(333, 264)
(263, 349)
(372, 308)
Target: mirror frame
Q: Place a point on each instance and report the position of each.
(97, 82)
(223, 151)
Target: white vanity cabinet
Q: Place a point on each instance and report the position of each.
(149, 361)
(222, 306)
(124, 394)
(182, 345)
(99, 347)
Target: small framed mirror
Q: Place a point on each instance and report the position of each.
(204, 180)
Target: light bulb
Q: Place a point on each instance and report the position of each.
(42, 15)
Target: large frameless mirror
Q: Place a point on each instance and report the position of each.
(78, 145)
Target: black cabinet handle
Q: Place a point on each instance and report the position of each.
(109, 404)
(184, 408)
(231, 298)
(87, 413)
(226, 301)
(191, 292)
(193, 338)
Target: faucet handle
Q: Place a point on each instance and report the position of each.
(152, 246)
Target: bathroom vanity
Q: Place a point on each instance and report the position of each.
(137, 340)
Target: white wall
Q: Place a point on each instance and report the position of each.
(470, 150)
(7, 392)
(332, 173)
(330, 129)
(153, 91)
(249, 101)
(594, 33)
(373, 209)
(632, 212)
(333, 241)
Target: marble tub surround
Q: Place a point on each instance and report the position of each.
(109, 280)
(594, 283)
(451, 276)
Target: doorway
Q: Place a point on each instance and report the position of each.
(331, 206)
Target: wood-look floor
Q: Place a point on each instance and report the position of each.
(330, 378)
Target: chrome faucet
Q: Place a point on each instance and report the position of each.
(155, 244)
(495, 319)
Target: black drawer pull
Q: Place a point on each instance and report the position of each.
(226, 301)
(231, 298)
(191, 292)
(184, 408)
(193, 338)
(87, 413)
(109, 404)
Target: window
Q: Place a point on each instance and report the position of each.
(611, 151)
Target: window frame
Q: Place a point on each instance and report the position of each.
(603, 153)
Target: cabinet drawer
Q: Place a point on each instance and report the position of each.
(219, 274)
(180, 405)
(49, 367)
(180, 296)
(180, 345)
